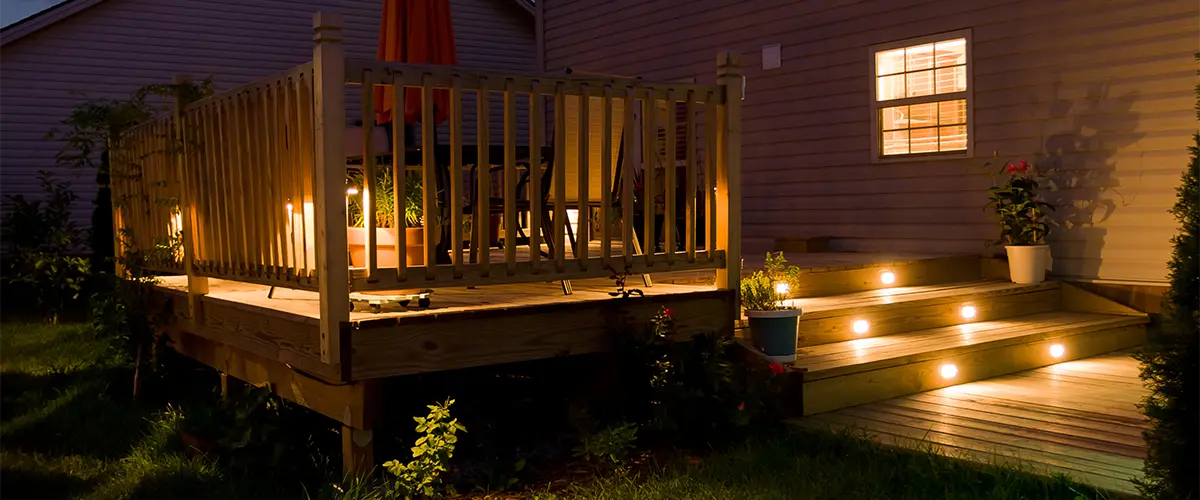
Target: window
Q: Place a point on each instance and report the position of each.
(921, 102)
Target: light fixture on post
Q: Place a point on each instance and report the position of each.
(968, 312)
(861, 326)
(948, 371)
(888, 278)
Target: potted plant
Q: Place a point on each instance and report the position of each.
(1024, 222)
(772, 321)
(385, 238)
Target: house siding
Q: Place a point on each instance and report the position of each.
(1104, 95)
(117, 46)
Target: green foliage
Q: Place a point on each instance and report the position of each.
(422, 476)
(385, 199)
(609, 447)
(44, 247)
(1024, 219)
(759, 292)
(1171, 360)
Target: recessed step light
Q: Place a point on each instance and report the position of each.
(887, 277)
(968, 312)
(948, 370)
(861, 326)
(1057, 351)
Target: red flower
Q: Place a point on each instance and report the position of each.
(668, 312)
(776, 368)
(694, 460)
(742, 405)
(1020, 168)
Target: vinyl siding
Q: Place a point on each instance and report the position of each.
(117, 46)
(1105, 95)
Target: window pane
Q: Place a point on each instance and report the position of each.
(895, 143)
(951, 112)
(951, 79)
(891, 87)
(951, 52)
(953, 138)
(923, 115)
(919, 83)
(919, 57)
(924, 140)
(889, 62)
(894, 118)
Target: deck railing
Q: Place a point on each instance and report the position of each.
(252, 183)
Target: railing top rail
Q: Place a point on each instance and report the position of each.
(302, 69)
(495, 80)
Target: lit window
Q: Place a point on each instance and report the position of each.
(921, 99)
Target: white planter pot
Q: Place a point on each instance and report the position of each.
(1027, 263)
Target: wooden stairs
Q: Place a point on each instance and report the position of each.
(870, 342)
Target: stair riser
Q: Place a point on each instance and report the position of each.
(859, 388)
(837, 281)
(887, 319)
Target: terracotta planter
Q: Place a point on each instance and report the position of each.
(1027, 263)
(774, 333)
(385, 244)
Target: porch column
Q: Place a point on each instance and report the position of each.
(729, 173)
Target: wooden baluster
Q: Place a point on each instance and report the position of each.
(399, 177)
(225, 167)
(292, 167)
(606, 175)
(212, 159)
(649, 169)
(481, 229)
(429, 180)
(369, 176)
(276, 203)
(710, 172)
(510, 177)
(690, 171)
(559, 176)
(308, 169)
(241, 180)
(669, 181)
(534, 188)
(627, 173)
(455, 188)
(251, 169)
(584, 215)
(197, 285)
(729, 170)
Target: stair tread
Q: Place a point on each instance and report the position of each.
(831, 305)
(839, 358)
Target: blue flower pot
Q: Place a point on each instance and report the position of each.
(774, 333)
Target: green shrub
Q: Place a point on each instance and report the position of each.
(1171, 361)
(760, 291)
(422, 476)
(384, 199)
(609, 447)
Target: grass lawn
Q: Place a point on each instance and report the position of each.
(69, 430)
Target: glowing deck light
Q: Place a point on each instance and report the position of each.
(968, 312)
(351, 191)
(782, 288)
(1057, 351)
(948, 370)
(861, 326)
(887, 277)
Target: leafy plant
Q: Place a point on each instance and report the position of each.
(762, 290)
(384, 199)
(608, 447)
(422, 477)
(1171, 359)
(1024, 219)
(44, 247)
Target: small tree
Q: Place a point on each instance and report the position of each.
(1171, 361)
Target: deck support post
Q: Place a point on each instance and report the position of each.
(729, 173)
(358, 440)
(197, 285)
(329, 184)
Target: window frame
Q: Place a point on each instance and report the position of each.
(877, 155)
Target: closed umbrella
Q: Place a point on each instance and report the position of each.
(415, 32)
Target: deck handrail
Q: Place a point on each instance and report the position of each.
(256, 192)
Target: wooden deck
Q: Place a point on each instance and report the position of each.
(1077, 418)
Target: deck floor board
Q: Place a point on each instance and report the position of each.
(1048, 420)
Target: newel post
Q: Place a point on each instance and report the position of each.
(197, 285)
(329, 185)
(729, 172)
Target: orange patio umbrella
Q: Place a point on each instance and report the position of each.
(416, 32)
